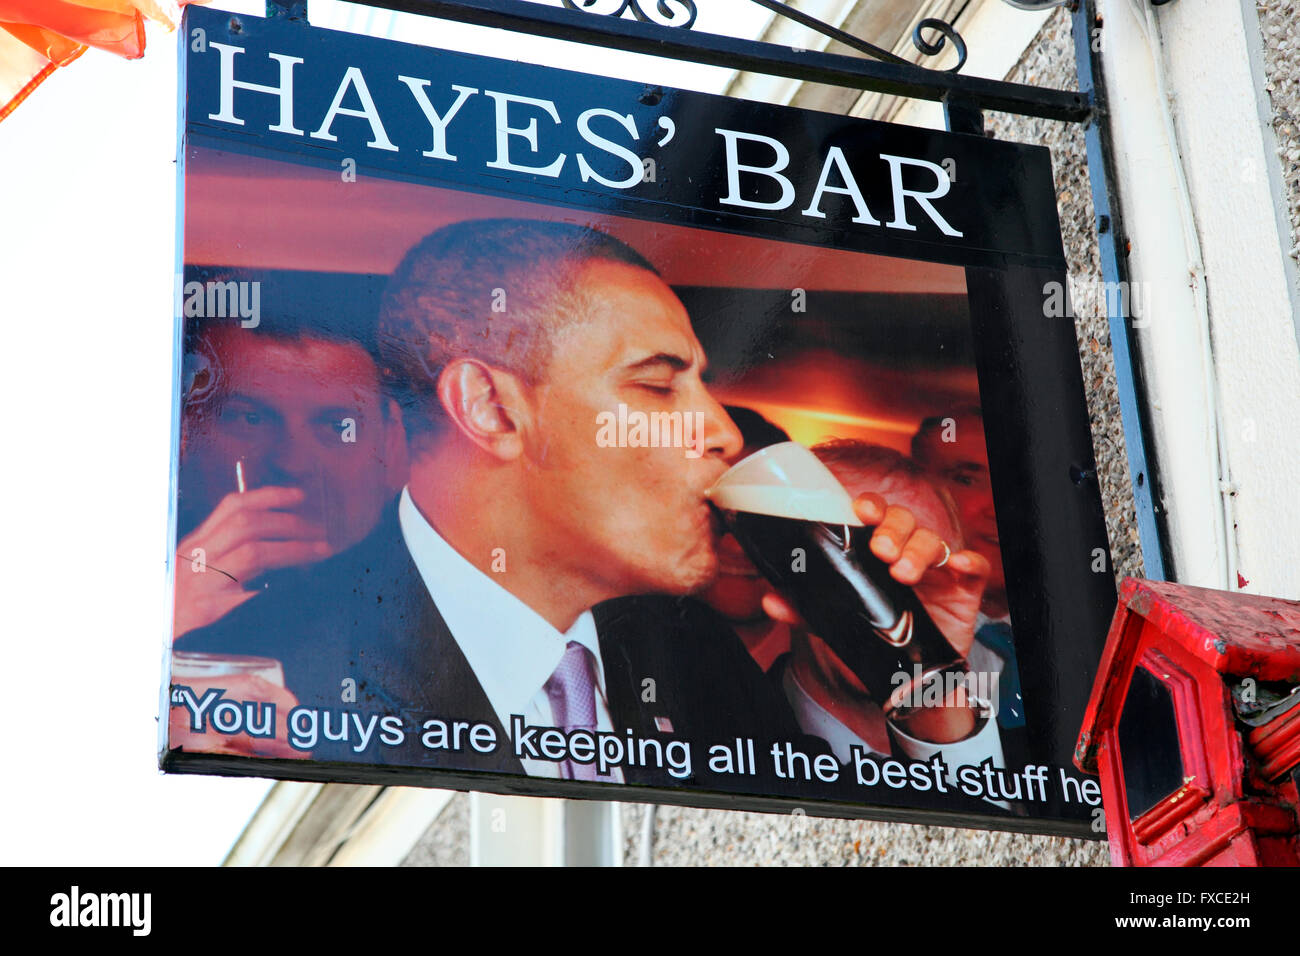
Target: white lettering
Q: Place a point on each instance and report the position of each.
(226, 109)
(354, 78)
(835, 157)
(637, 173)
(941, 186)
(734, 169)
(527, 133)
(438, 123)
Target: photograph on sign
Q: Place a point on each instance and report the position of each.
(541, 459)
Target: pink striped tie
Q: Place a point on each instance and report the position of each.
(572, 691)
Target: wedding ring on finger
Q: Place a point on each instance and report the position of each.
(947, 553)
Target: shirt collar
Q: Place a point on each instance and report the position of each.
(982, 619)
(511, 648)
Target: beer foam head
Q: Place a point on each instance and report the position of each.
(785, 481)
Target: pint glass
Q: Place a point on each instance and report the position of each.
(796, 523)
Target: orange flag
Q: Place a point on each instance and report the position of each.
(37, 36)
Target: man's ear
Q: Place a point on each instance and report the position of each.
(486, 404)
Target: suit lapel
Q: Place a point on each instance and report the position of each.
(409, 659)
(642, 685)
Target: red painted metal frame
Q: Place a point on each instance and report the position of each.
(1190, 639)
(1201, 703)
(1277, 744)
(1198, 781)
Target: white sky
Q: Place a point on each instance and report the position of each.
(87, 220)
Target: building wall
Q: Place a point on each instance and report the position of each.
(1279, 22)
(1208, 231)
(446, 842)
(1049, 62)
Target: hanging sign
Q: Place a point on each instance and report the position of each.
(538, 432)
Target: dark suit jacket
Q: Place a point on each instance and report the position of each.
(366, 615)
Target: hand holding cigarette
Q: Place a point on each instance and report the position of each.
(246, 535)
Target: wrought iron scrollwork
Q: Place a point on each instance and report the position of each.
(682, 13)
(946, 32)
(664, 8)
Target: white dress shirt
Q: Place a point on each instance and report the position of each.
(512, 649)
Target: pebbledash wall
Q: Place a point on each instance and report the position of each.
(1280, 37)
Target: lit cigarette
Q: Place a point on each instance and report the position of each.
(239, 476)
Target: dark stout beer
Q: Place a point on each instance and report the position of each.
(796, 523)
